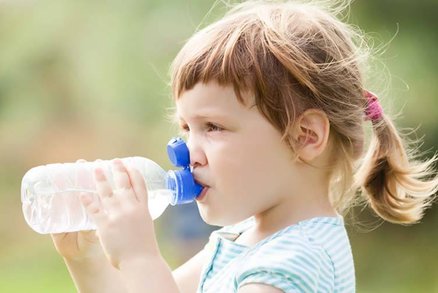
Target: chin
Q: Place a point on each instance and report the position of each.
(208, 218)
(216, 219)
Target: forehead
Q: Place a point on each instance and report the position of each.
(211, 99)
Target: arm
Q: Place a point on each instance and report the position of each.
(187, 276)
(95, 275)
(155, 272)
(86, 262)
(148, 274)
(92, 272)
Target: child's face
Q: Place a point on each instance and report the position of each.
(234, 151)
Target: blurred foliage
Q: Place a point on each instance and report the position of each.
(89, 79)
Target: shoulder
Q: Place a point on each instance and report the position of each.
(293, 260)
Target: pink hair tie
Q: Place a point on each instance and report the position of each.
(373, 111)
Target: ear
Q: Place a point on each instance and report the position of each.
(311, 133)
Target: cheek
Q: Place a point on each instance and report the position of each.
(242, 181)
(232, 198)
(244, 166)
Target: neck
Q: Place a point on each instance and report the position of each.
(289, 210)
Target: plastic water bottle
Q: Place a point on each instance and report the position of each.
(50, 193)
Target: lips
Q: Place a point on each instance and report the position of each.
(204, 191)
(200, 182)
(203, 194)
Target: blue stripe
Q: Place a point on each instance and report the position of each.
(311, 256)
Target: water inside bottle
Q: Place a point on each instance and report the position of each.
(61, 211)
(56, 212)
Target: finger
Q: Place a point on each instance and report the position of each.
(122, 180)
(138, 185)
(103, 187)
(93, 207)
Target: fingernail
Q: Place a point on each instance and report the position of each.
(85, 198)
(118, 163)
(99, 174)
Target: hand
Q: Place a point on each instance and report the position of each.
(82, 245)
(77, 246)
(124, 225)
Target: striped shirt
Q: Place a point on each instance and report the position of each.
(313, 255)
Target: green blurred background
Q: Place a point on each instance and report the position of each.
(89, 79)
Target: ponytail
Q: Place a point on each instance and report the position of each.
(397, 186)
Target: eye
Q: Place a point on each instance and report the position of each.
(213, 127)
(184, 128)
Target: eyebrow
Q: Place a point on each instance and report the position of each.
(178, 118)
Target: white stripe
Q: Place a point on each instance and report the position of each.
(307, 253)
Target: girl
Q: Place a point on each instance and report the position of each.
(272, 101)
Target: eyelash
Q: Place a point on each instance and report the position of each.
(213, 127)
(208, 126)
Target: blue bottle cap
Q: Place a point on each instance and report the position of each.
(181, 182)
(183, 185)
(178, 152)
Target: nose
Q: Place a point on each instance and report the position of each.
(196, 151)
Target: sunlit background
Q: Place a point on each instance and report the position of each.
(89, 79)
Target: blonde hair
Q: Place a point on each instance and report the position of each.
(295, 56)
